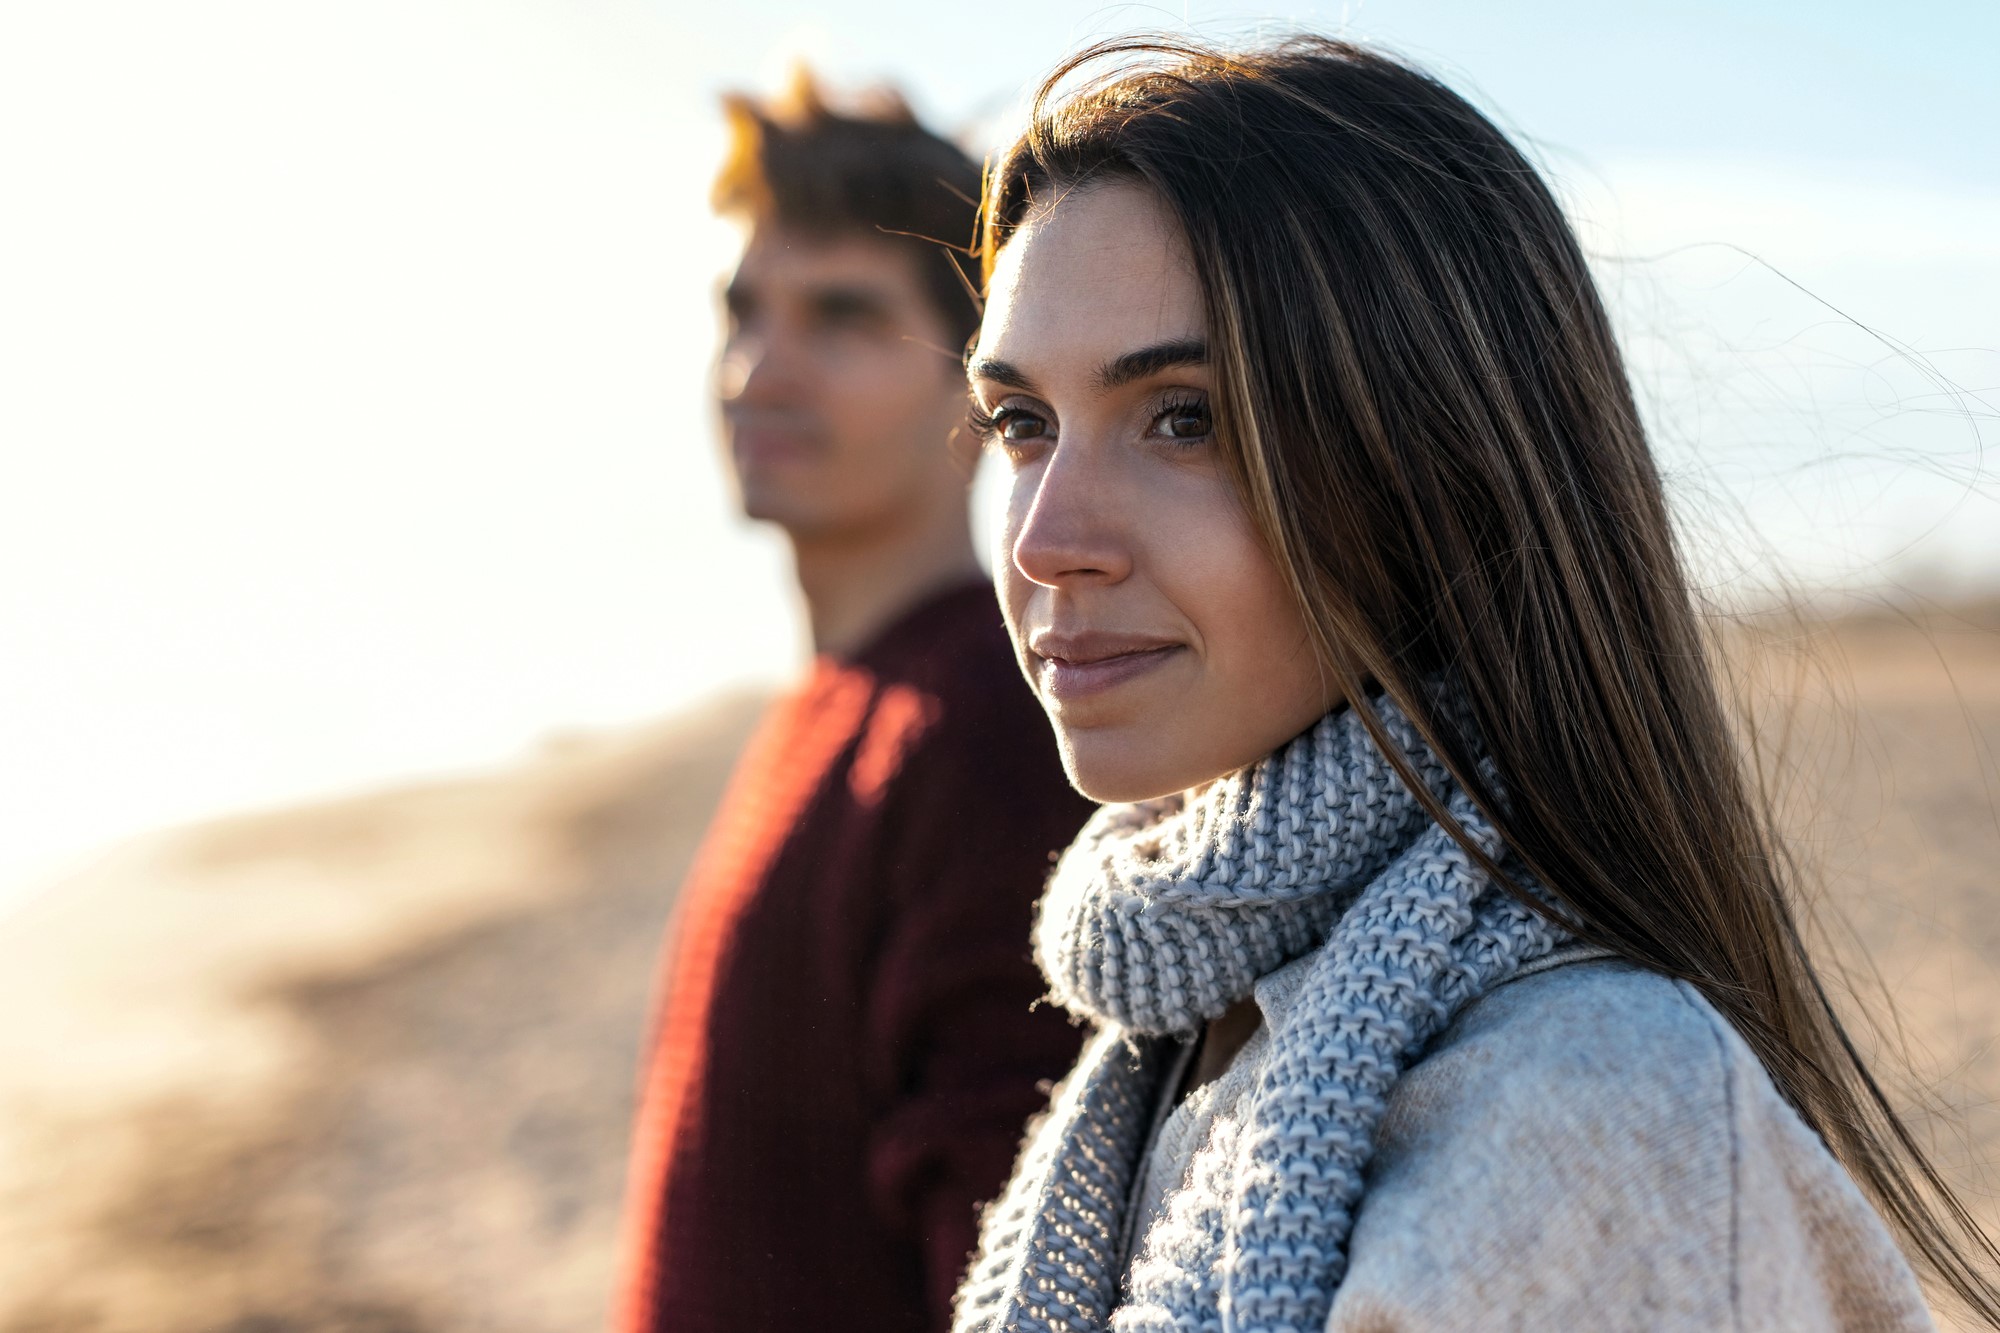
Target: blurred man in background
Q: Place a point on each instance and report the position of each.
(845, 1051)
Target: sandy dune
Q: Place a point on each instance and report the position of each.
(367, 1066)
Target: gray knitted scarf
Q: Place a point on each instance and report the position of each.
(1160, 917)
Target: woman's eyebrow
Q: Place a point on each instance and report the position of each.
(1151, 361)
(1000, 372)
(1119, 371)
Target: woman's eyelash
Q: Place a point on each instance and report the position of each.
(989, 426)
(1187, 405)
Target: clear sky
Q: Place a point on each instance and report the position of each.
(353, 355)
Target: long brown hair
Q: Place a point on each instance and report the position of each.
(1431, 426)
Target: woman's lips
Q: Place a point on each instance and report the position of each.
(1067, 681)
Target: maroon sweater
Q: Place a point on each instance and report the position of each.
(847, 1049)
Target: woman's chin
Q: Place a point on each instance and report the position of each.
(1112, 774)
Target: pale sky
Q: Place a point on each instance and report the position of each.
(353, 356)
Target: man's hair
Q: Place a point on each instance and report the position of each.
(869, 169)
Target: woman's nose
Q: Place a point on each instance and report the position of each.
(1071, 532)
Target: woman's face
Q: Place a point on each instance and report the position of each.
(1146, 614)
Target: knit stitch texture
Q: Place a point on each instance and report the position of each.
(1160, 917)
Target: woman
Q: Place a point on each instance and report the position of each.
(1440, 954)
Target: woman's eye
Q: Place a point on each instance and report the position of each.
(1018, 426)
(1183, 421)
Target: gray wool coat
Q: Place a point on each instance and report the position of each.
(1589, 1146)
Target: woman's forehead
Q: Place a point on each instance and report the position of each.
(1088, 276)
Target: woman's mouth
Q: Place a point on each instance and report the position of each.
(1074, 667)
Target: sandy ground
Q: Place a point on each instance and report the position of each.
(365, 1066)
(1892, 787)
(368, 1066)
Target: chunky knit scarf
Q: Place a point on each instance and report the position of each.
(1159, 918)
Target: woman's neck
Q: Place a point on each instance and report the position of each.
(1222, 1039)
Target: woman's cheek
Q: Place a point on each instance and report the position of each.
(1261, 684)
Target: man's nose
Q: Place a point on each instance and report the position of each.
(758, 369)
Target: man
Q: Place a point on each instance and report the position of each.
(847, 1044)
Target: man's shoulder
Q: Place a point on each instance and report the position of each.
(945, 635)
(955, 655)
(952, 726)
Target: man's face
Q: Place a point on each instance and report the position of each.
(839, 391)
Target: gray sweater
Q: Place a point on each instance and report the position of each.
(1588, 1146)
